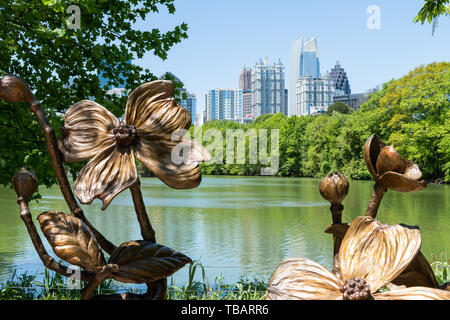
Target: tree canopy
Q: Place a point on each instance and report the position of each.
(339, 107)
(63, 65)
(433, 9)
(411, 113)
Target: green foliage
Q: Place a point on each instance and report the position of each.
(441, 268)
(432, 9)
(63, 66)
(52, 287)
(339, 107)
(243, 289)
(411, 113)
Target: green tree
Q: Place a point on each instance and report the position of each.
(339, 107)
(432, 9)
(62, 66)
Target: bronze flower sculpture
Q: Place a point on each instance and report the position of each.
(151, 117)
(334, 188)
(390, 171)
(370, 257)
(149, 133)
(367, 255)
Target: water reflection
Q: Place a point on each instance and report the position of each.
(235, 226)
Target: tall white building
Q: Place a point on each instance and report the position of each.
(294, 73)
(313, 95)
(267, 85)
(223, 104)
(304, 60)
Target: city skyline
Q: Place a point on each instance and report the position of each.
(218, 48)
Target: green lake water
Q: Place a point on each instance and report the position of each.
(235, 226)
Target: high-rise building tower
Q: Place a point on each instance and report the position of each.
(294, 73)
(245, 79)
(190, 103)
(245, 84)
(223, 104)
(314, 95)
(309, 59)
(304, 60)
(268, 94)
(340, 80)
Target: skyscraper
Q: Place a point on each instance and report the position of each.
(245, 84)
(304, 60)
(294, 73)
(267, 83)
(314, 95)
(245, 79)
(190, 103)
(309, 59)
(340, 80)
(223, 104)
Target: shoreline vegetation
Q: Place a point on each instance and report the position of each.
(54, 287)
(411, 113)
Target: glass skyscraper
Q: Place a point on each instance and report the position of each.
(340, 80)
(223, 104)
(190, 103)
(304, 61)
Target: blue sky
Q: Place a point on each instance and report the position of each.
(226, 35)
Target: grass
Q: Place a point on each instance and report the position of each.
(441, 268)
(54, 286)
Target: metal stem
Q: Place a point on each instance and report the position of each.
(48, 261)
(61, 176)
(336, 211)
(147, 231)
(375, 200)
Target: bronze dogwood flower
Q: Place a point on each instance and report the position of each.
(152, 116)
(371, 256)
(390, 169)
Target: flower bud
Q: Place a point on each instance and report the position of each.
(14, 89)
(25, 184)
(334, 187)
(390, 160)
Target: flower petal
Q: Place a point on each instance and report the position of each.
(303, 279)
(161, 155)
(390, 160)
(399, 182)
(414, 293)
(372, 149)
(376, 252)
(151, 107)
(105, 176)
(87, 131)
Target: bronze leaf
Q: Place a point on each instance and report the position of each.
(72, 240)
(417, 274)
(143, 261)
